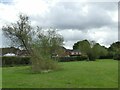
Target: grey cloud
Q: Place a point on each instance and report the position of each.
(73, 35)
(110, 6)
(69, 15)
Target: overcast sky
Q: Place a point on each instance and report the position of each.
(74, 20)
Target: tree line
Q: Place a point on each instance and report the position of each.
(94, 50)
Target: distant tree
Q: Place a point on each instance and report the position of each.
(99, 50)
(115, 47)
(114, 50)
(83, 46)
(92, 49)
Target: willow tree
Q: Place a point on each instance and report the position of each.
(39, 44)
(20, 33)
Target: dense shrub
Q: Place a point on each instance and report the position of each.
(91, 56)
(82, 57)
(109, 55)
(15, 60)
(116, 57)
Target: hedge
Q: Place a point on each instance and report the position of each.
(106, 57)
(15, 60)
(71, 58)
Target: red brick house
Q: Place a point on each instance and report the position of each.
(68, 52)
(72, 52)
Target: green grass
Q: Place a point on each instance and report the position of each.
(82, 74)
(0, 77)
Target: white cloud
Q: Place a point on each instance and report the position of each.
(31, 7)
(105, 36)
(7, 14)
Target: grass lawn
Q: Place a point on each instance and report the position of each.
(0, 77)
(82, 74)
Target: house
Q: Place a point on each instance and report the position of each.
(62, 52)
(9, 50)
(70, 52)
(12, 50)
(67, 52)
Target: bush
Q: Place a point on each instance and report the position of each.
(82, 58)
(15, 60)
(116, 57)
(109, 55)
(92, 57)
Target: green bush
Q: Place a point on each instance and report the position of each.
(116, 57)
(92, 57)
(15, 60)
